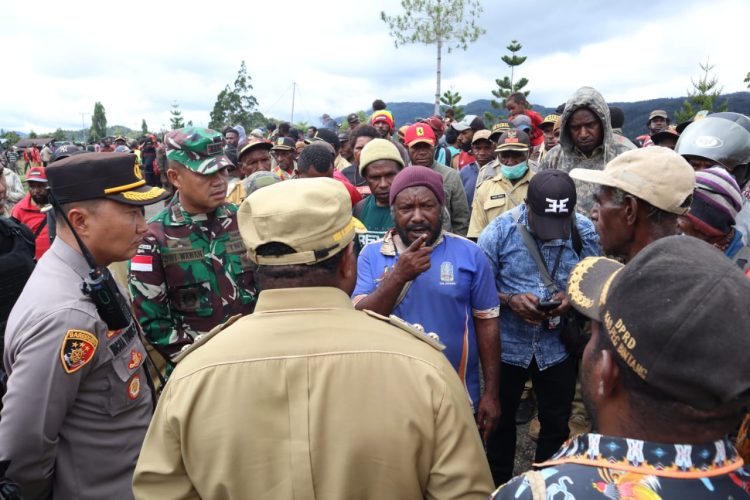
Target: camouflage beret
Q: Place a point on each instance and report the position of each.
(199, 149)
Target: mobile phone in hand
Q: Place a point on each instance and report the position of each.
(548, 305)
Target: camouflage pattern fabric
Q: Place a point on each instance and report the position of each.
(190, 274)
(565, 156)
(199, 149)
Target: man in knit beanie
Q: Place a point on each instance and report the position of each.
(716, 201)
(439, 280)
(383, 121)
(379, 164)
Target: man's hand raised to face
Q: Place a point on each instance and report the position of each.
(414, 260)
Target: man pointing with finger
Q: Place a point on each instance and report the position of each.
(439, 280)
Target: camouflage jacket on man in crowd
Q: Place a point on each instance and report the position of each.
(566, 156)
(190, 274)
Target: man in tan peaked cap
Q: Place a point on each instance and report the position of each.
(307, 397)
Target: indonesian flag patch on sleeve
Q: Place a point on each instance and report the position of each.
(142, 263)
(78, 348)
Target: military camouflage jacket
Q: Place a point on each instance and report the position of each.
(190, 274)
(566, 156)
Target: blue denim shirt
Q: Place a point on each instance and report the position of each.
(516, 272)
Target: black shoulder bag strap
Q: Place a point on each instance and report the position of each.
(40, 228)
(576, 237)
(530, 243)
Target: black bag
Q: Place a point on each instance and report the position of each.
(576, 332)
(16, 264)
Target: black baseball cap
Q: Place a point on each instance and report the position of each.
(676, 314)
(500, 128)
(552, 199)
(329, 136)
(114, 176)
(513, 140)
(352, 118)
(65, 151)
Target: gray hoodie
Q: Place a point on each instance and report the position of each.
(566, 156)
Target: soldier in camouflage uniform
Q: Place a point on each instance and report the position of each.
(191, 272)
(586, 141)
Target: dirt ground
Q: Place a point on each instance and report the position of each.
(525, 449)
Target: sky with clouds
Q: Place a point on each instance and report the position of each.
(139, 57)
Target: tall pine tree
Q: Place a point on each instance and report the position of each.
(176, 120)
(98, 123)
(705, 95)
(508, 85)
(451, 100)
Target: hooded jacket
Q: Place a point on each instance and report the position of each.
(566, 156)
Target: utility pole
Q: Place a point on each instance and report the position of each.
(83, 129)
(294, 90)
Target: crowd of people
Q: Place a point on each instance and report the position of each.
(371, 312)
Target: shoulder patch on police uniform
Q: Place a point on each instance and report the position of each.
(413, 329)
(202, 339)
(77, 349)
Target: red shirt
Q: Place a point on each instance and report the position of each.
(29, 214)
(353, 193)
(464, 159)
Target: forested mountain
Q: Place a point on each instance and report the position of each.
(636, 113)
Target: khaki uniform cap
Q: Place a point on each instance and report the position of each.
(313, 216)
(656, 174)
(480, 135)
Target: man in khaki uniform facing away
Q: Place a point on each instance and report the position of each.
(308, 398)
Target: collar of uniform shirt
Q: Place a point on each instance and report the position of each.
(302, 299)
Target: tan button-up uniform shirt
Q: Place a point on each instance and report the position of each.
(494, 197)
(308, 398)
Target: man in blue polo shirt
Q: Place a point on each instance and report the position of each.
(439, 280)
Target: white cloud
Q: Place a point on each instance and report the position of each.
(139, 59)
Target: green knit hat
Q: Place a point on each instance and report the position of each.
(379, 149)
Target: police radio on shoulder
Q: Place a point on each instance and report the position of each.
(100, 284)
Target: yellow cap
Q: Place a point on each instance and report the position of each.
(313, 216)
